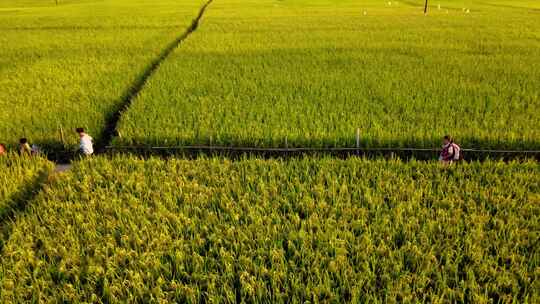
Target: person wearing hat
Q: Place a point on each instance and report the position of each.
(24, 147)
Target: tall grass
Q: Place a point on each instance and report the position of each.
(71, 65)
(309, 73)
(317, 230)
(18, 176)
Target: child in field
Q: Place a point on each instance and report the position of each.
(24, 147)
(450, 151)
(86, 146)
(3, 150)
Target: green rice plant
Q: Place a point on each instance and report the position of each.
(19, 176)
(275, 231)
(73, 64)
(268, 73)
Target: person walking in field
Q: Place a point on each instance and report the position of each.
(450, 152)
(86, 146)
(3, 150)
(24, 147)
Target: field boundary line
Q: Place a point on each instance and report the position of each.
(133, 91)
(270, 149)
(418, 153)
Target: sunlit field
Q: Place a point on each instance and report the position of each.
(148, 78)
(18, 178)
(263, 73)
(71, 65)
(317, 230)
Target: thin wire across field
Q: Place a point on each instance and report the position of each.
(407, 153)
(306, 149)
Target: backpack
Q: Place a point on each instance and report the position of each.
(457, 156)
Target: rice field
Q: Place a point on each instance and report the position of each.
(302, 230)
(72, 64)
(19, 176)
(271, 73)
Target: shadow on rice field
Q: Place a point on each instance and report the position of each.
(18, 203)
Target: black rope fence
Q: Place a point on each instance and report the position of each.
(407, 153)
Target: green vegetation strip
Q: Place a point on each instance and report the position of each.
(265, 73)
(317, 230)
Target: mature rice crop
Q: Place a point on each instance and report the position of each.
(71, 64)
(19, 176)
(296, 231)
(266, 72)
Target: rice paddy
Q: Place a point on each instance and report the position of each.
(316, 230)
(269, 74)
(71, 65)
(310, 73)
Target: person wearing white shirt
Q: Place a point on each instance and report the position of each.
(86, 146)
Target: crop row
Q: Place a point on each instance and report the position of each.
(309, 73)
(73, 64)
(317, 230)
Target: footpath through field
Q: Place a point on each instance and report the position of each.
(241, 152)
